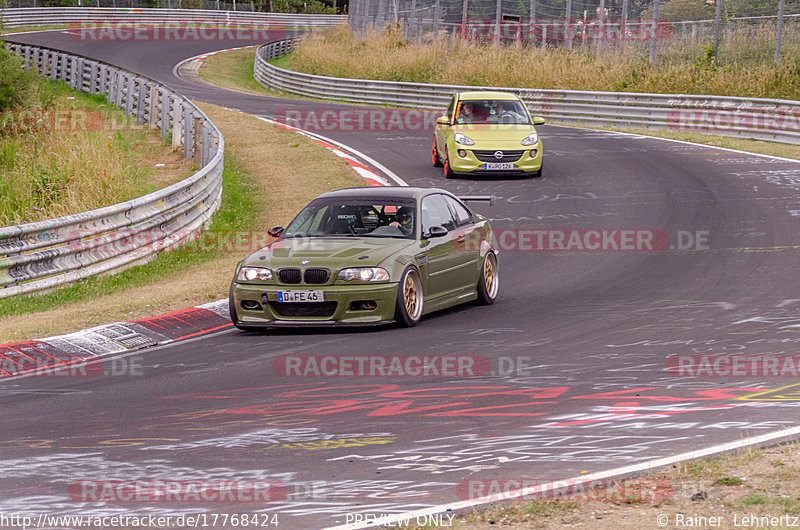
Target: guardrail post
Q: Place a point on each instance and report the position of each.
(129, 94)
(153, 107)
(165, 106)
(103, 87)
(188, 125)
(140, 107)
(197, 143)
(176, 123)
(205, 147)
(120, 79)
(65, 61)
(93, 78)
(77, 74)
(111, 85)
(52, 60)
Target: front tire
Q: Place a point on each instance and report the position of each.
(488, 281)
(410, 300)
(232, 310)
(538, 174)
(435, 155)
(448, 171)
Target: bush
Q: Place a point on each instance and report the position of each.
(21, 88)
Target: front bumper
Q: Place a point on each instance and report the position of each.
(470, 165)
(338, 309)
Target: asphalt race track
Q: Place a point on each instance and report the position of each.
(577, 345)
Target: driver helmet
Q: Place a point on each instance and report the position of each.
(403, 214)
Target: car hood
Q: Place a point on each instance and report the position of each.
(330, 252)
(493, 132)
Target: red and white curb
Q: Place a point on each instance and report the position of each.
(209, 54)
(372, 177)
(59, 354)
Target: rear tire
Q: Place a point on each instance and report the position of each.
(410, 300)
(435, 155)
(489, 280)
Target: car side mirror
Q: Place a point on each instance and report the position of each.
(538, 120)
(275, 231)
(437, 231)
(443, 120)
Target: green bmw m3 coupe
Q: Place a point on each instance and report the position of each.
(365, 256)
(487, 133)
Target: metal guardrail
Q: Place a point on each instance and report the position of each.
(47, 16)
(776, 120)
(48, 253)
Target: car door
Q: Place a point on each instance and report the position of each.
(467, 243)
(443, 271)
(441, 131)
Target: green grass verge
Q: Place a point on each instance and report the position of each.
(84, 154)
(235, 213)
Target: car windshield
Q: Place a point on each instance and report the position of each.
(349, 217)
(492, 111)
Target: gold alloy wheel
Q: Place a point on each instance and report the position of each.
(412, 295)
(490, 275)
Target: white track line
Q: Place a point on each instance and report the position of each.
(637, 135)
(540, 488)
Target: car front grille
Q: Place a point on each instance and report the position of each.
(289, 275)
(304, 309)
(488, 156)
(316, 276)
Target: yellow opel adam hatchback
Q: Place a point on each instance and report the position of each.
(487, 133)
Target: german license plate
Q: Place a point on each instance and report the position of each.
(301, 296)
(498, 165)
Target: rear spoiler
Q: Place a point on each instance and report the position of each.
(484, 198)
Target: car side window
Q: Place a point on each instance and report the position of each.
(461, 214)
(435, 212)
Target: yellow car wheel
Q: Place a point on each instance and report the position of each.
(448, 171)
(435, 156)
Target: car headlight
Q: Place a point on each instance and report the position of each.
(463, 140)
(249, 274)
(531, 139)
(365, 274)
